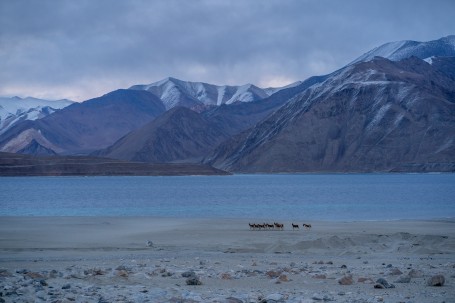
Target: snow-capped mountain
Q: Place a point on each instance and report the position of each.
(399, 50)
(15, 109)
(174, 92)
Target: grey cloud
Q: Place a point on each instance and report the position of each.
(81, 49)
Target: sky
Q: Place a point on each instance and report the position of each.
(82, 49)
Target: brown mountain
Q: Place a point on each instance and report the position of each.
(178, 134)
(87, 126)
(371, 116)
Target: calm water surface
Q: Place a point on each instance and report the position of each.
(273, 197)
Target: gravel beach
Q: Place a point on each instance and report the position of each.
(144, 259)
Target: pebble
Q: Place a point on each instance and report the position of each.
(297, 281)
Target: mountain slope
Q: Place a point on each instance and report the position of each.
(372, 116)
(15, 109)
(176, 92)
(396, 51)
(178, 134)
(86, 126)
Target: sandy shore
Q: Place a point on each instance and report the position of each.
(126, 259)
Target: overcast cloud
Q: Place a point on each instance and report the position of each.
(85, 48)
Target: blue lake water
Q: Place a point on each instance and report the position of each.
(294, 197)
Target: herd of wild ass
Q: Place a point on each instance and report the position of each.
(276, 226)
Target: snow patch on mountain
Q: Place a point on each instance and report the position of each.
(395, 51)
(175, 92)
(15, 109)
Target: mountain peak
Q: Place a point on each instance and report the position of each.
(398, 50)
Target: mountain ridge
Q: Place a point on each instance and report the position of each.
(175, 92)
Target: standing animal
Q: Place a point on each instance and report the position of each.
(279, 225)
(294, 226)
(307, 226)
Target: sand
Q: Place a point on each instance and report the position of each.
(142, 259)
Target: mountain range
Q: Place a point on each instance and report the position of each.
(198, 95)
(391, 109)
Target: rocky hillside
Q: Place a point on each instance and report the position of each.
(178, 134)
(372, 116)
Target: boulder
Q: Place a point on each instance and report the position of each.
(382, 283)
(437, 280)
(346, 280)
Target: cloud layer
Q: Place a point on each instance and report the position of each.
(82, 49)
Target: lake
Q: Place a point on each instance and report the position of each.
(292, 197)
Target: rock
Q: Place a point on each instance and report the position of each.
(43, 282)
(346, 280)
(122, 273)
(395, 272)
(5, 273)
(415, 273)
(283, 278)
(325, 298)
(122, 267)
(193, 281)
(66, 286)
(320, 276)
(94, 272)
(437, 280)
(149, 244)
(382, 283)
(188, 274)
(272, 274)
(276, 297)
(403, 279)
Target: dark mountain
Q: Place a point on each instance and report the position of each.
(86, 126)
(372, 116)
(178, 134)
(26, 165)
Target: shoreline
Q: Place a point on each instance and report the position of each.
(142, 259)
